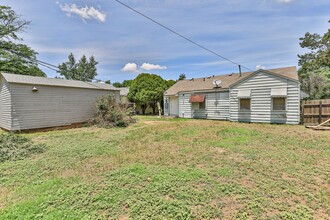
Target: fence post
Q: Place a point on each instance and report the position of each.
(320, 113)
(302, 112)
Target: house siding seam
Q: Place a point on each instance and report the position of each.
(261, 101)
(5, 105)
(52, 106)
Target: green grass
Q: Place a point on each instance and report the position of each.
(171, 169)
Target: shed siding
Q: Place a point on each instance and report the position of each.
(52, 106)
(261, 101)
(217, 105)
(184, 105)
(5, 104)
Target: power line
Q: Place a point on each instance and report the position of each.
(41, 64)
(180, 35)
(47, 64)
(36, 61)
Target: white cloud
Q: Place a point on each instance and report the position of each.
(284, 1)
(85, 13)
(130, 67)
(258, 67)
(149, 66)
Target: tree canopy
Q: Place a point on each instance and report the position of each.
(314, 72)
(125, 83)
(182, 76)
(147, 89)
(15, 57)
(84, 70)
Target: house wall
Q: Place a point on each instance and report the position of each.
(217, 105)
(184, 105)
(166, 105)
(52, 106)
(261, 101)
(5, 104)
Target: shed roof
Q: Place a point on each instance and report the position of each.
(35, 80)
(206, 83)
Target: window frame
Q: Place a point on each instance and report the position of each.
(245, 110)
(285, 104)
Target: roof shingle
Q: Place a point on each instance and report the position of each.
(200, 84)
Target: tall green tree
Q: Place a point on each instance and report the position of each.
(314, 72)
(147, 89)
(182, 76)
(15, 57)
(125, 83)
(83, 70)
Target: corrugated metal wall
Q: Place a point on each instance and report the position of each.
(5, 104)
(261, 102)
(52, 106)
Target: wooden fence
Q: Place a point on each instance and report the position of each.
(315, 112)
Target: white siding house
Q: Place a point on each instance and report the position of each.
(263, 96)
(28, 102)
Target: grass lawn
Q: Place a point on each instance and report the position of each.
(172, 169)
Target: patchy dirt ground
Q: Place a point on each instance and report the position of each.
(172, 169)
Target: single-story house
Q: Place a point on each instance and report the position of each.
(28, 102)
(263, 96)
(124, 97)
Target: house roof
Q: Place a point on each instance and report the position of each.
(228, 80)
(35, 80)
(124, 91)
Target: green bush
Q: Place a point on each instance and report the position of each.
(109, 113)
(17, 147)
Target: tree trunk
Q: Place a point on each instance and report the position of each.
(159, 110)
(154, 109)
(144, 107)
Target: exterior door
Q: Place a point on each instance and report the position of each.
(174, 105)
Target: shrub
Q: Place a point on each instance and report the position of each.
(109, 113)
(16, 147)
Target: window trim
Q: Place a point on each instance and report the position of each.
(239, 105)
(285, 105)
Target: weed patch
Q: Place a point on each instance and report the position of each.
(17, 147)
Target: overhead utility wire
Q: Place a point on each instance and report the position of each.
(36, 61)
(180, 35)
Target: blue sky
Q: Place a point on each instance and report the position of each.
(254, 33)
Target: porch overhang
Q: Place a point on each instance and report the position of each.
(197, 98)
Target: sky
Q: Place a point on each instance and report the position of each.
(254, 33)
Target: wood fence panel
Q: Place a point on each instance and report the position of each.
(315, 112)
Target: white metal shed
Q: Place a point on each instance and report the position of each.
(28, 102)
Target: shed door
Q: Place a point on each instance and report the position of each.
(174, 105)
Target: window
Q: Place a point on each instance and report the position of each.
(245, 104)
(279, 104)
(201, 105)
(198, 105)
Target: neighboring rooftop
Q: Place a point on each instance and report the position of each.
(36, 80)
(206, 83)
(124, 91)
